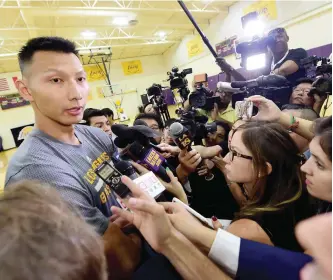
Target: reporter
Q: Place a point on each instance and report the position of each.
(152, 221)
(251, 260)
(270, 181)
(43, 238)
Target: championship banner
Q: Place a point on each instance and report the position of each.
(195, 47)
(132, 67)
(267, 9)
(94, 73)
(226, 47)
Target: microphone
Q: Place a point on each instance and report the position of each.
(139, 122)
(126, 168)
(224, 86)
(182, 137)
(262, 81)
(150, 158)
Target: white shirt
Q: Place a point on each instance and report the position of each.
(225, 251)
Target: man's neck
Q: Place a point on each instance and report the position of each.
(223, 107)
(278, 56)
(60, 132)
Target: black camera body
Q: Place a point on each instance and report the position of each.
(321, 73)
(203, 98)
(178, 81)
(197, 125)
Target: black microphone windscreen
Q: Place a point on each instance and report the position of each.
(122, 130)
(126, 168)
(121, 143)
(238, 84)
(139, 122)
(137, 150)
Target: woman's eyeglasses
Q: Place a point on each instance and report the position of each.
(235, 154)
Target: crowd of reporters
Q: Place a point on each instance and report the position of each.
(264, 184)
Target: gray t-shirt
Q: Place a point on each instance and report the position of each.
(70, 169)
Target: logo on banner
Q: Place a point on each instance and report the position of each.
(132, 67)
(94, 73)
(266, 9)
(194, 47)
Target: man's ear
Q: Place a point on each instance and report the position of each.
(287, 38)
(24, 90)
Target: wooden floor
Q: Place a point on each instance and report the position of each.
(4, 158)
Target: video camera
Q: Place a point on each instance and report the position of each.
(178, 81)
(197, 125)
(203, 98)
(319, 68)
(274, 87)
(155, 96)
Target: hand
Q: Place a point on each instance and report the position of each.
(173, 150)
(173, 187)
(216, 223)
(215, 112)
(183, 221)
(120, 222)
(203, 170)
(148, 216)
(208, 152)
(189, 160)
(268, 111)
(219, 162)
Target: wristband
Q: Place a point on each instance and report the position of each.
(293, 123)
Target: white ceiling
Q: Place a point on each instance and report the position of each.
(21, 20)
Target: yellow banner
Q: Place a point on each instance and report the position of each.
(132, 67)
(194, 47)
(94, 73)
(266, 9)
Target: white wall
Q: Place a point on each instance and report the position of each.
(153, 71)
(306, 24)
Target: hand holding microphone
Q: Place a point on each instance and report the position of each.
(182, 138)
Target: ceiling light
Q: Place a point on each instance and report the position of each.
(88, 34)
(120, 21)
(161, 34)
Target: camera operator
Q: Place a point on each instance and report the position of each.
(285, 61)
(223, 110)
(64, 154)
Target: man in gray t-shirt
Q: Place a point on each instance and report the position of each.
(63, 153)
(69, 168)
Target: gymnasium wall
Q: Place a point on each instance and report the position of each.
(133, 86)
(308, 23)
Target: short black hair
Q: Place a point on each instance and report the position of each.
(55, 44)
(90, 112)
(307, 112)
(304, 81)
(152, 117)
(169, 122)
(108, 112)
(225, 126)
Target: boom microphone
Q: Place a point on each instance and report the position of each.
(224, 86)
(262, 81)
(150, 158)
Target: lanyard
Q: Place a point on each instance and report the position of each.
(274, 64)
